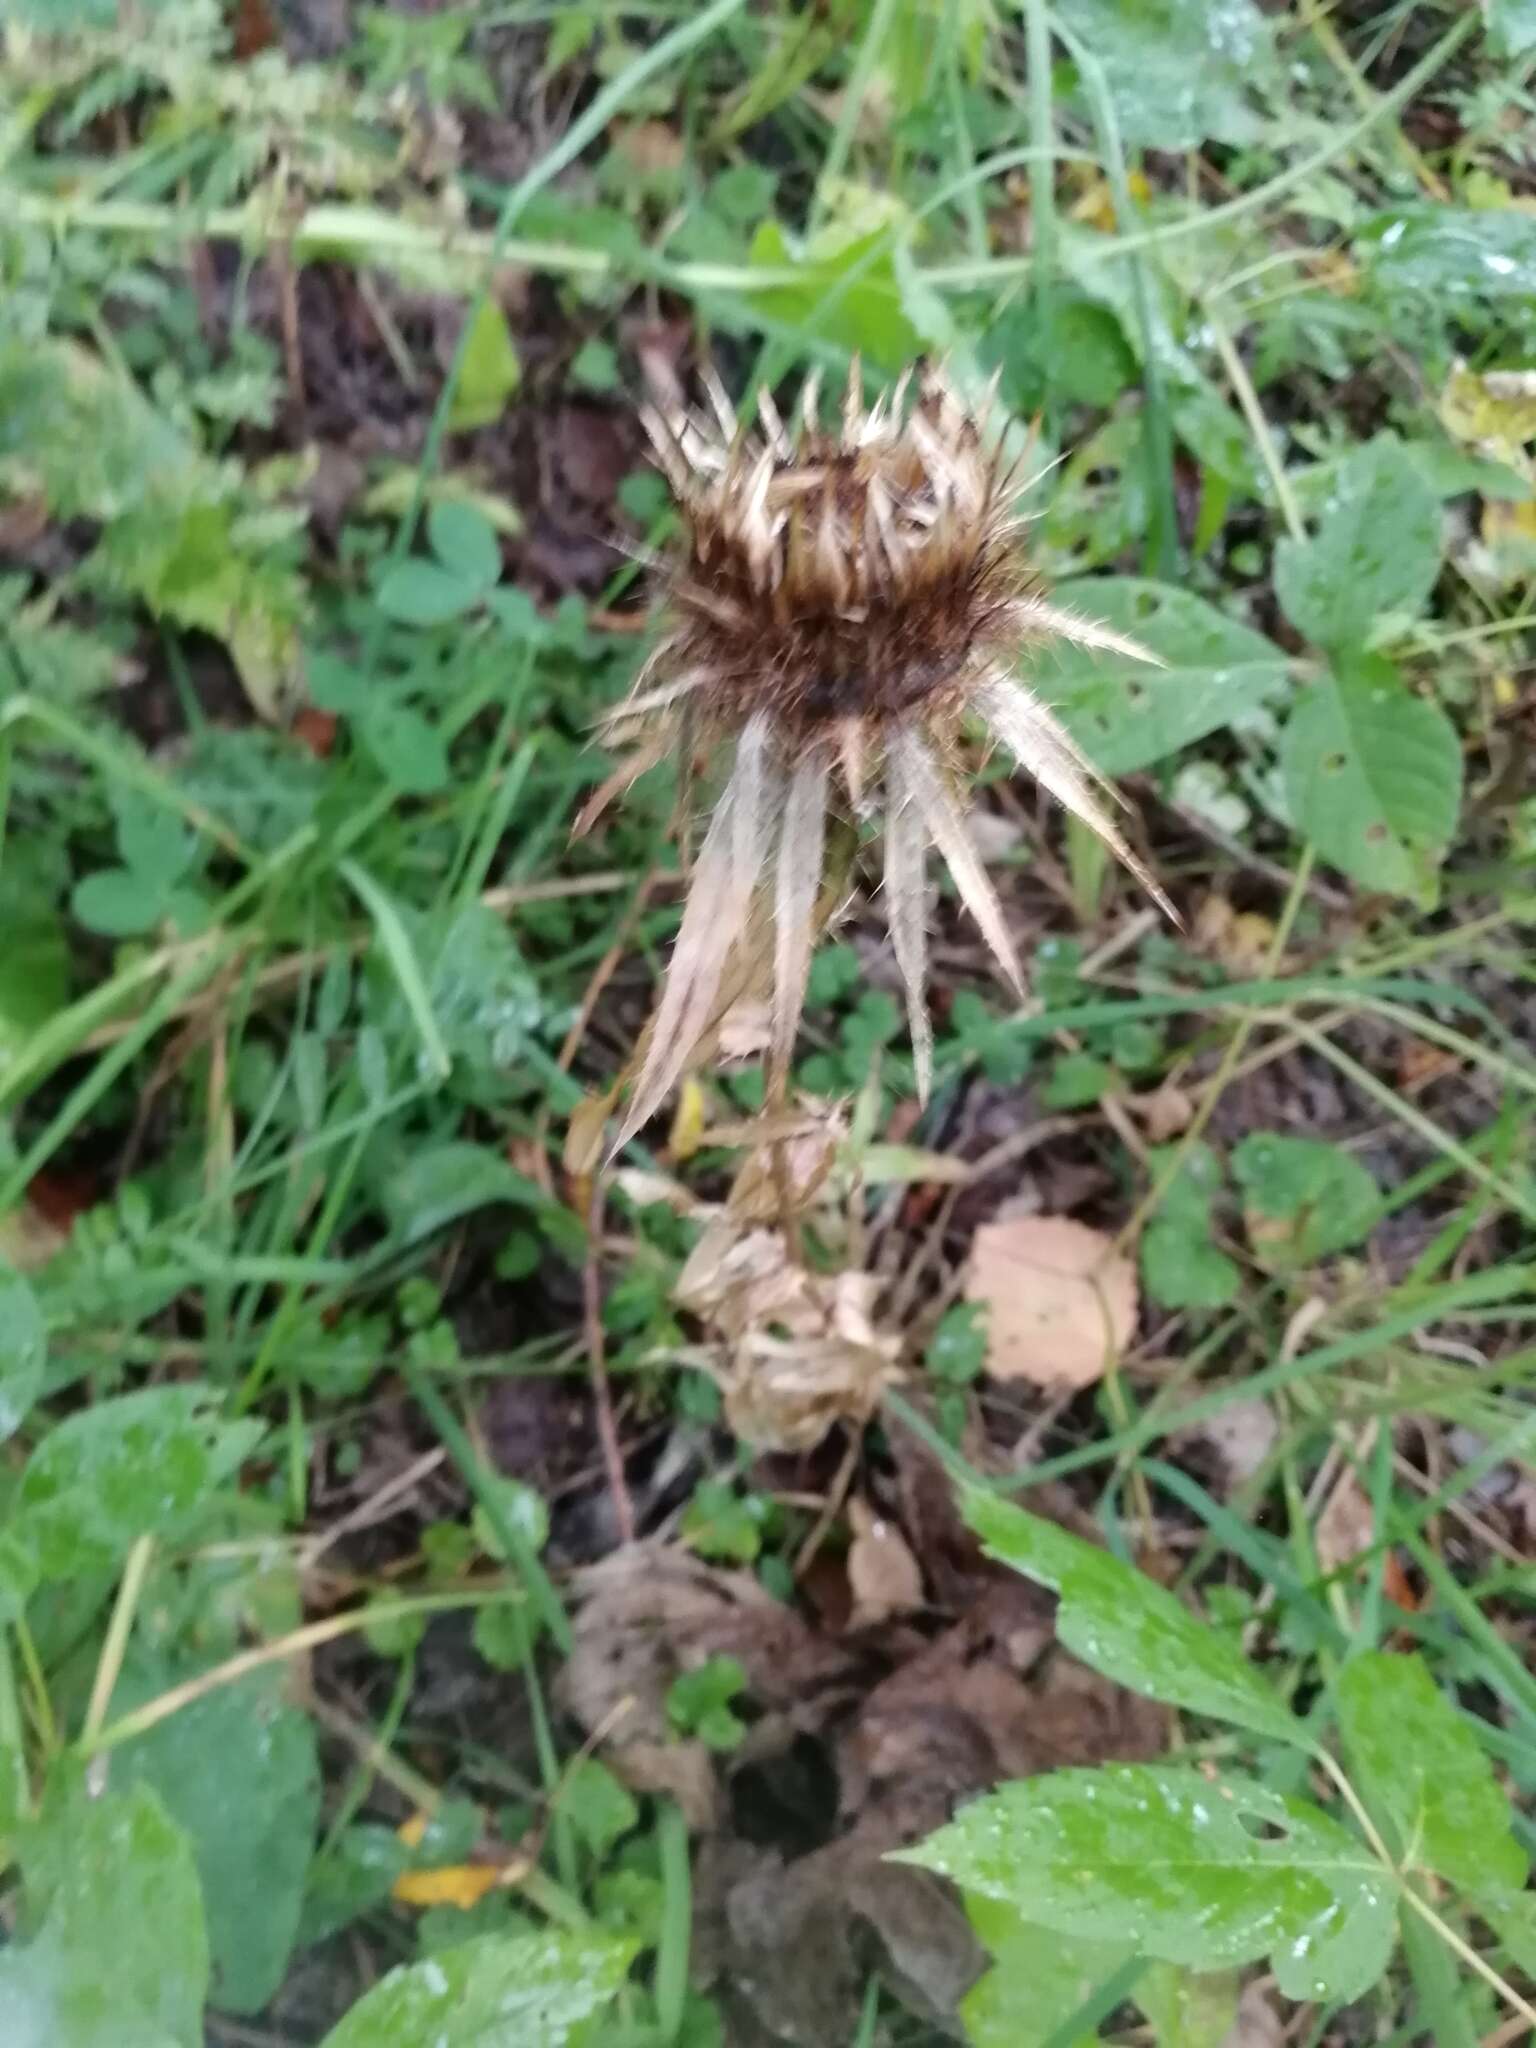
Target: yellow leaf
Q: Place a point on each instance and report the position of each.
(688, 1124)
(413, 1832)
(457, 1884)
(1496, 411)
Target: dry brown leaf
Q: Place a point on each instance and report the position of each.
(797, 1351)
(1258, 2024)
(651, 1611)
(1060, 1307)
(883, 1574)
(805, 1160)
(1167, 1112)
(649, 147)
(1347, 1526)
(1242, 1435)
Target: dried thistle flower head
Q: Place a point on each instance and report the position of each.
(845, 601)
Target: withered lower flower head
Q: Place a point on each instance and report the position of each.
(843, 603)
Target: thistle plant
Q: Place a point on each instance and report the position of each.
(843, 605)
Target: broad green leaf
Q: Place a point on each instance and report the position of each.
(849, 290)
(1179, 71)
(1303, 1198)
(117, 903)
(1038, 1979)
(1512, 26)
(447, 1181)
(1187, 2008)
(490, 371)
(1208, 1872)
(1373, 777)
(1419, 1763)
(130, 1466)
(1182, 1268)
(1123, 1624)
(518, 1991)
(598, 1806)
(1376, 551)
(120, 1959)
(23, 1351)
(1451, 256)
(418, 593)
(464, 541)
(1126, 714)
(237, 1771)
(409, 750)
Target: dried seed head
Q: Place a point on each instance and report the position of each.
(843, 601)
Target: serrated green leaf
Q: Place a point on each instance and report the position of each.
(23, 1351)
(1420, 1765)
(518, 1991)
(1181, 1268)
(121, 1958)
(407, 748)
(1127, 714)
(490, 371)
(1039, 1977)
(439, 1185)
(464, 541)
(598, 1806)
(850, 291)
(237, 1771)
(1133, 1630)
(1373, 777)
(1450, 255)
(1205, 1872)
(1375, 552)
(1179, 71)
(1323, 1199)
(417, 593)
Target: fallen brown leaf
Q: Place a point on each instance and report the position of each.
(882, 1572)
(1347, 1526)
(1061, 1308)
(650, 1612)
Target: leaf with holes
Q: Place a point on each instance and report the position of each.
(1376, 550)
(1133, 1630)
(1373, 777)
(1126, 714)
(1208, 1872)
(1421, 1766)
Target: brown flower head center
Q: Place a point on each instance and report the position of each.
(844, 578)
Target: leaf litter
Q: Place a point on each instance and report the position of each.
(908, 1710)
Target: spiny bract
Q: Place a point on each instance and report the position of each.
(843, 602)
